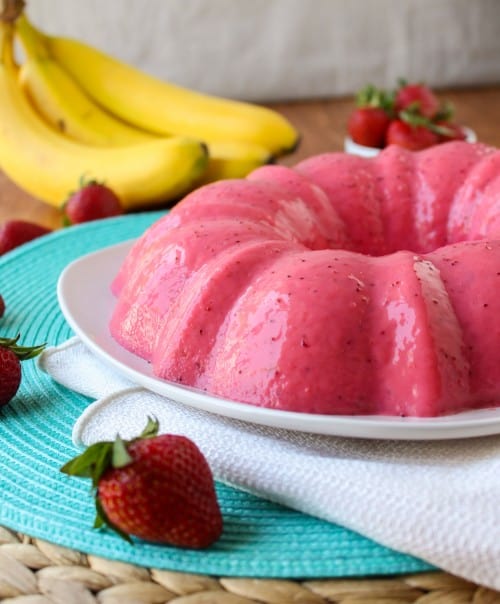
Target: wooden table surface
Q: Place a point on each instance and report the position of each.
(322, 125)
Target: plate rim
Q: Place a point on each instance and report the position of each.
(467, 424)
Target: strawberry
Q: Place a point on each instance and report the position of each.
(411, 132)
(368, 125)
(2, 307)
(449, 131)
(158, 488)
(93, 201)
(418, 98)
(10, 367)
(14, 233)
(410, 116)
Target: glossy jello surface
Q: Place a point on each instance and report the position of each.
(342, 286)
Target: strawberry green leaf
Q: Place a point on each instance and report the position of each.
(414, 108)
(445, 113)
(91, 463)
(120, 456)
(415, 119)
(98, 458)
(440, 129)
(65, 221)
(365, 96)
(371, 96)
(151, 428)
(100, 519)
(23, 353)
(102, 463)
(8, 342)
(402, 82)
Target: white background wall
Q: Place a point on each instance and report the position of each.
(286, 49)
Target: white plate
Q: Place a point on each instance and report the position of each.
(363, 151)
(88, 279)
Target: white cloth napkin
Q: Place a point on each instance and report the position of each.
(439, 501)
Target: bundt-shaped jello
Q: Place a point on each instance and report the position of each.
(341, 286)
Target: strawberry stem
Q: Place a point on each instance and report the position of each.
(23, 353)
(371, 96)
(413, 118)
(151, 428)
(120, 456)
(445, 113)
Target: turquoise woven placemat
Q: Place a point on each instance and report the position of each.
(260, 539)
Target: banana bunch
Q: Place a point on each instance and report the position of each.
(70, 111)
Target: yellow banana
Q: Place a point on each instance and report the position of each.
(63, 103)
(49, 166)
(66, 107)
(233, 160)
(164, 108)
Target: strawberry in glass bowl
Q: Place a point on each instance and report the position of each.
(410, 116)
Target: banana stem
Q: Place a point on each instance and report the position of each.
(32, 40)
(11, 9)
(6, 43)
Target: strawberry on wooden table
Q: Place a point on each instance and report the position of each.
(11, 355)
(156, 487)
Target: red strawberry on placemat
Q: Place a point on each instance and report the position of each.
(158, 488)
(11, 356)
(14, 233)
